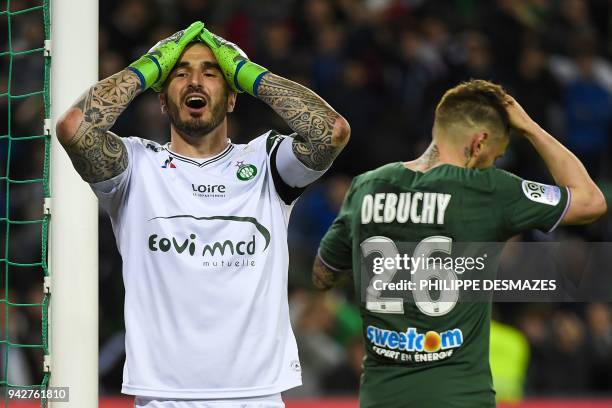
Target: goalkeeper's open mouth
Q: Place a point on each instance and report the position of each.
(195, 103)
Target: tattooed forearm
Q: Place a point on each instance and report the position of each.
(96, 153)
(321, 132)
(324, 278)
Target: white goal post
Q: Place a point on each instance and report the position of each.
(73, 243)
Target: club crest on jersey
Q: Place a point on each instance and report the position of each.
(168, 164)
(245, 171)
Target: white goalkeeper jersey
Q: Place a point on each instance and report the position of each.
(205, 259)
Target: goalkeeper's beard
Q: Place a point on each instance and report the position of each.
(197, 127)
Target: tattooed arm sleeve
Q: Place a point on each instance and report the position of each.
(321, 132)
(97, 154)
(324, 278)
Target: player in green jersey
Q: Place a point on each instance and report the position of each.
(436, 353)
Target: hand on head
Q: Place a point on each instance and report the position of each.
(241, 74)
(154, 67)
(518, 118)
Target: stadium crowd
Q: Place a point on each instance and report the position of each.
(382, 64)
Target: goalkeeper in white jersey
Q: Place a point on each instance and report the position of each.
(200, 222)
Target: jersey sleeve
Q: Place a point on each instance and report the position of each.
(335, 250)
(292, 171)
(287, 191)
(112, 192)
(531, 205)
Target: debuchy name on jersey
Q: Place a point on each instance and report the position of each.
(204, 248)
(416, 208)
(429, 354)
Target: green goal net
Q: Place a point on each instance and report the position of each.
(24, 188)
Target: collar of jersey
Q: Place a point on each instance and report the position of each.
(195, 162)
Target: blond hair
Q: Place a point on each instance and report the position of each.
(476, 103)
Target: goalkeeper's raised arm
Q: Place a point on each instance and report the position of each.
(83, 130)
(320, 132)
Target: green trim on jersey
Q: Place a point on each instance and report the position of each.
(272, 138)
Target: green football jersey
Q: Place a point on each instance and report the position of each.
(429, 353)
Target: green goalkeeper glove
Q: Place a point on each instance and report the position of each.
(154, 67)
(241, 74)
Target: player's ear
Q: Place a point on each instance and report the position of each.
(478, 142)
(162, 102)
(473, 152)
(231, 101)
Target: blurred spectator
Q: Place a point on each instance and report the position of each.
(504, 26)
(312, 319)
(311, 217)
(132, 21)
(312, 16)
(509, 356)
(327, 62)
(345, 378)
(15, 362)
(539, 93)
(535, 86)
(567, 347)
(435, 47)
(110, 63)
(363, 104)
(328, 331)
(533, 323)
(477, 63)
(316, 210)
(599, 320)
(276, 51)
(408, 78)
(588, 107)
(570, 20)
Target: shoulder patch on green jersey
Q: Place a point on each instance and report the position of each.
(541, 193)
